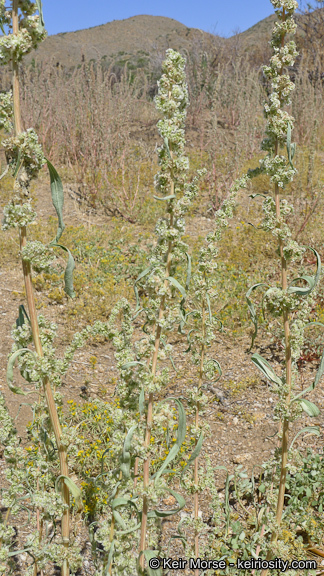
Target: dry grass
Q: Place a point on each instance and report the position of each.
(101, 126)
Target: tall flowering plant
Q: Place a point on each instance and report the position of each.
(23, 30)
(289, 303)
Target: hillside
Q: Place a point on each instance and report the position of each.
(136, 35)
(136, 39)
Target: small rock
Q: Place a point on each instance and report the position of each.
(170, 501)
(199, 514)
(259, 416)
(184, 515)
(219, 393)
(241, 458)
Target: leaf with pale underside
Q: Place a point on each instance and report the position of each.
(312, 281)
(10, 367)
(266, 369)
(57, 197)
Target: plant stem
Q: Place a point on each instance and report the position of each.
(146, 466)
(268, 507)
(288, 365)
(288, 362)
(15, 72)
(112, 527)
(34, 323)
(111, 537)
(196, 463)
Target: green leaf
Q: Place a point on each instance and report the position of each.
(119, 519)
(120, 501)
(109, 559)
(252, 173)
(180, 536)
(68, 275)
(133, 363)
(266, 369)
(129, 530)
(254, 196)
(289, 143)
(209, 309)
(194, 454)
(74, 489)
(165, 513)
(142, 274)
(188, 271)
(20, 320)
(170, 197)
(181, 434)
(16, 552)
(188, 339)
(291, 148)
(308, 407)
(166, 144)
(126, 457)
(253, 225)
(177, 285)
(312, 281)
(183, 316)
(288, 135)
(319, 372)
(227, 506)
(182, 539)
(141, 402)
(149, 554)
(253, 314)
(311, 431)
(219, 369)
(10, 367)
(18, 164)
(41, 24)
(102, 473)
(57, 197)
(137, 313)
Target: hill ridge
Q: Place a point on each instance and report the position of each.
(143, 33)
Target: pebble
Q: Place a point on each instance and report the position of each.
(241, 458)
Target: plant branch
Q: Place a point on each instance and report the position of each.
(34, 323)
